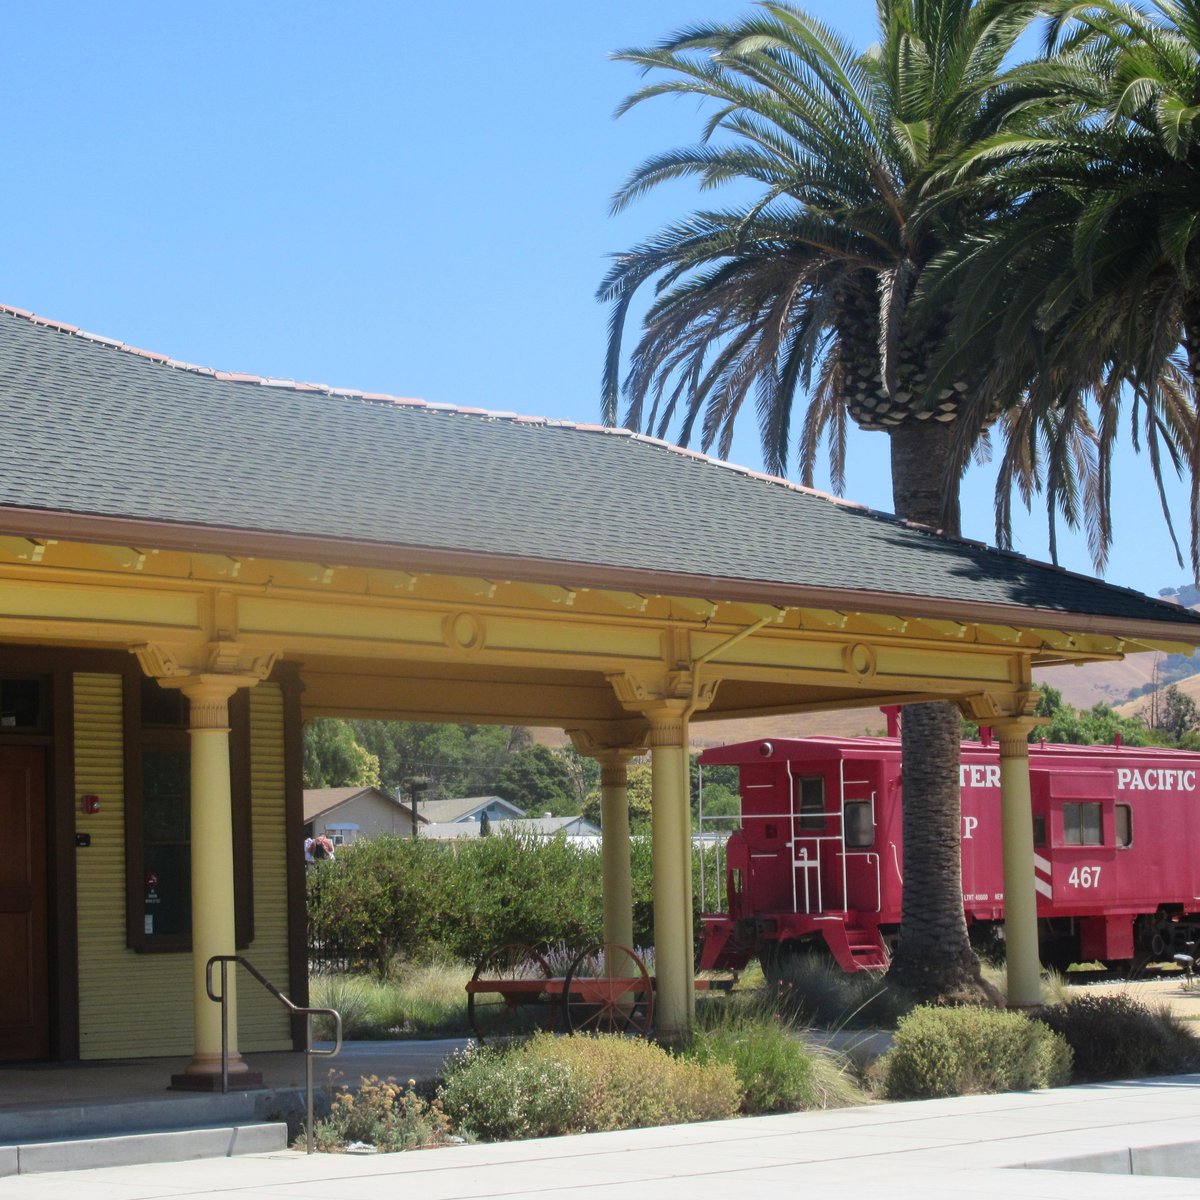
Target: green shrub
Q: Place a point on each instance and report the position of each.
(419, 899)
(956, 1051)
(809, 989)
(1116, 1037)
(497, 1093)
(631, 1083)
(382, 1114)
(547, 1086)
(775, 1071)
(779, 1069)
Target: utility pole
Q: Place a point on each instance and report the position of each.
(415, 784)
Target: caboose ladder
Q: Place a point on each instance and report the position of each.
(855, 948)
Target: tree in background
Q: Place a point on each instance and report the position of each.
(1097, 726)
(461, 760)
(585, 773)
(1065, 725)
(803, 298)
(722, 795)
(1084, 288)
(332, 758)
(1175, 713)
(539, 781)
(640, 792)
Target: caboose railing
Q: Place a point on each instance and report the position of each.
(805, 850)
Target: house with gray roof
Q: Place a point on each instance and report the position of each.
(347, 815)
(469, 809)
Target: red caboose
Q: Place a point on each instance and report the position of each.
(819, 857)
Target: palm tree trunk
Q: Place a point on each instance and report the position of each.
(934, 959)
(920, 454)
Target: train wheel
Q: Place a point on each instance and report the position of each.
(497, 1012)
(608, 990)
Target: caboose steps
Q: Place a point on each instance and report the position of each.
(855, 949)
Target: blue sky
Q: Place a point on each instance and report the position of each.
(398, 197)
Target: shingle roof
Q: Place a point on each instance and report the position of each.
(321, 800)
(107, 431)
(445, 811)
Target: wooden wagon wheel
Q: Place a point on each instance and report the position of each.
(608, 990)
(524, 1007)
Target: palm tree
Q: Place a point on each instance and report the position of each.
(1084, 290)
(803, 296)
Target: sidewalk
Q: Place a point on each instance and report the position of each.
(931, 1150)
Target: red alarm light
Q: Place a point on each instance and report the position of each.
(89, 805)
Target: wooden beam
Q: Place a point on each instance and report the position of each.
(219, 564)
(397, 581)
(29, 549)
(704, 609)
(551, 592)
(629, 600)
(472, 585)
(822, 618)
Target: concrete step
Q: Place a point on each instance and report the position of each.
(87, 1116)
(154, 1146)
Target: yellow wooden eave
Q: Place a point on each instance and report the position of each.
(376, 641)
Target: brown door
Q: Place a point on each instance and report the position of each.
(24, 1006)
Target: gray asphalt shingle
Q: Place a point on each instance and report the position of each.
(94, 429)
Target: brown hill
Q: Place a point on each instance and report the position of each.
(1100, 683)
(1190, 686)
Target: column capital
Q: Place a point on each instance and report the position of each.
(620, 741)
(1013, 735)
(996, 708)
(217, 659)
(663, 696)
(613, 760)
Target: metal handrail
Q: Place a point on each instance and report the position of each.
(295, 1009)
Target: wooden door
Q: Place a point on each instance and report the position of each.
(24, 1003)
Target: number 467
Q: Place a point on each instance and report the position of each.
(1084, 877)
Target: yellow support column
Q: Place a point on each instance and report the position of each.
(685, 850)
(213, 921)
(614, 848)
(1020, 895)
(672, 873)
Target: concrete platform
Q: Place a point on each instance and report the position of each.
(64, 1116)
(25, 1091)
(1015, 1146)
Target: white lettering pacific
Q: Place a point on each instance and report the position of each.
(1155, 779)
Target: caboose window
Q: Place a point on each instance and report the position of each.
(1039, 831)
(1081, 824)
(860, 829)
(809, 799)
(1124, 825)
